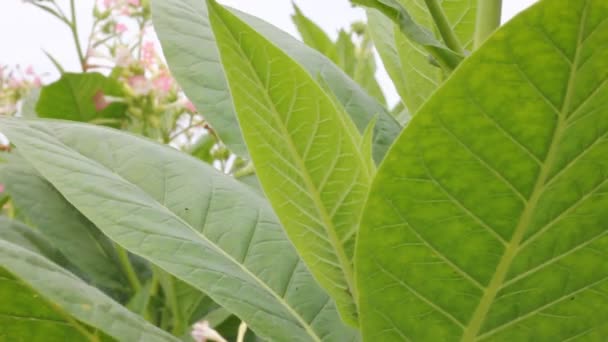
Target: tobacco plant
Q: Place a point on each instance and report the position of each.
(483, 219)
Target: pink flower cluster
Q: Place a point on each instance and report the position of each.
(15, 84)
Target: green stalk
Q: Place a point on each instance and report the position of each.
(52, 12)
(443, 25)
(74, 29)
(127, 267)
(171, 302)
(488, 19)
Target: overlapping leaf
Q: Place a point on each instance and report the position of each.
(305, 150)
(313, 35)
(66, 228)
(190, 48)
(405, 60)
(187, 218)
(356, 61)
(43, 302)
(487, 221)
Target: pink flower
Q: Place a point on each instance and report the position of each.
(29, 70)
(190, 107)
(148, 53)
(108, 3)
(99, 99)
(120, 28)
(163, 84)
(37, 82)
(1, 188)
(139, 84)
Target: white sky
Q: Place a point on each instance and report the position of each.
(25, 30)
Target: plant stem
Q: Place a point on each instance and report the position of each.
(125, 263)
(186, 129)
(168, 286)
(52, 12)
(443, 25)
(488, 19)
(74, 29)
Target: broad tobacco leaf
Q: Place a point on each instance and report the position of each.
(406, 61)
(179, 213)
(305, 150)
(487, 220)
(41, 301)
(65, 227)
(81, 97)
(183, 25)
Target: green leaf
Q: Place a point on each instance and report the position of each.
(313, 35)
(183, 25)
(420, 35)
(365, 73)
(20, 234)
(73, 97)
(25, 316)
(43, 302)
(305, 150)
(384, 34)
(487, 220)
(401, 113)
(347, 59)
(356, 62)
(63, 225)
(201, 149)
(187, 218)
(366, 147)
(406, 62)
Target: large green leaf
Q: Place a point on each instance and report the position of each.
(405, 60)
(313, 35)
(183, 25)
(64, 226)
(194, 222)
(487, 220)
(77, 97)
(43, 302)
(305, 150)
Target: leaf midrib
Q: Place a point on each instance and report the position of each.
(496, 283)
(262, 284)
(326, 219)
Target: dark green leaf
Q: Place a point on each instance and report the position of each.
(43, 302)
(81, 97)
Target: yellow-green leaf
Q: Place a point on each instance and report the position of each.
(305, 150)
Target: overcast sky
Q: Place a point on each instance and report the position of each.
(25, 31)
